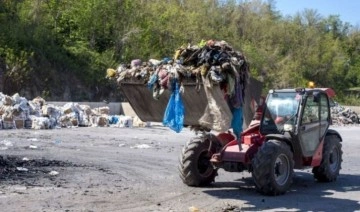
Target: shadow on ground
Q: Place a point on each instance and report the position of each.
(305, 194)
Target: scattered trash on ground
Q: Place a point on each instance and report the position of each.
(193, 209)
(231, 208)
(33, 147)
(33, 139)
(140, 146)
(22, 169)
(6, 143)
(53, 173)
(57, 141)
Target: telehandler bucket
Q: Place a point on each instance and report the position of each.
(141, 99)
(147, 108)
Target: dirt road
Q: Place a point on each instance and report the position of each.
(135, 169)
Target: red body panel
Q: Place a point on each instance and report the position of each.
(251, 140)
(329, 91)
(233, 154)
(317, 157)
(225, 138)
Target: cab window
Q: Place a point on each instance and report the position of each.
(311, 111)
(324, 113)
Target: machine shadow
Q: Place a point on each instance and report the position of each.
(305, 194)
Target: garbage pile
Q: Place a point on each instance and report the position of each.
(343, 116)
(215, 60)
(208, 63)
(17, 112)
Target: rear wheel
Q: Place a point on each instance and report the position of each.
(195, 168)
(331, 162)
(273, 168)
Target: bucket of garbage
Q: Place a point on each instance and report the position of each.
(141, 99)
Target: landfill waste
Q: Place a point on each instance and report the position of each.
(22, 169)
(136, 122)
(32, 139)
(57, 141)
(343, 116)
(17, 112)
(121, 121)
(5, 144)
(33, 147)
(193, 209)
(140, 146)
(213, 61)
(53, 173)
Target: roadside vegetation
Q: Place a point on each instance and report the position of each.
(60, 49)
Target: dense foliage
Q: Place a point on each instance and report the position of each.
(60, 49)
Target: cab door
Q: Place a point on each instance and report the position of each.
(310, 126)
(325, 117)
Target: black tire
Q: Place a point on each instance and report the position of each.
(273, 168)
(330, 165)
(195, 168)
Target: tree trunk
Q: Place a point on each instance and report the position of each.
(2, 72)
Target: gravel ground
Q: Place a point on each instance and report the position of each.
(135, 169)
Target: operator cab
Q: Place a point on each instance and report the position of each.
(303, 113)
(281, 108)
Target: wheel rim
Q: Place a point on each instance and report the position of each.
(204, 166)
(334, 159)
(282, 169)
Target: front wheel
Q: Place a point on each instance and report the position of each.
(273, 168)
(195, 168)
(331, 162)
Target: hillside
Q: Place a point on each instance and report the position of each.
(60, 50)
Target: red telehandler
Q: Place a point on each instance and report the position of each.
(290, 131)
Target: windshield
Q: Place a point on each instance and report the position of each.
(280, 108)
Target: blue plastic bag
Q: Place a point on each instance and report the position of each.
(174, 113)
(237, 121)
(113, 119)
(152, 80)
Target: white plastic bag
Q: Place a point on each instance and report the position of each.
(217, 115)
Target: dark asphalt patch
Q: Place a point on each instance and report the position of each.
(16, 169)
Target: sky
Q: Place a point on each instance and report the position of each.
(348, 10)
